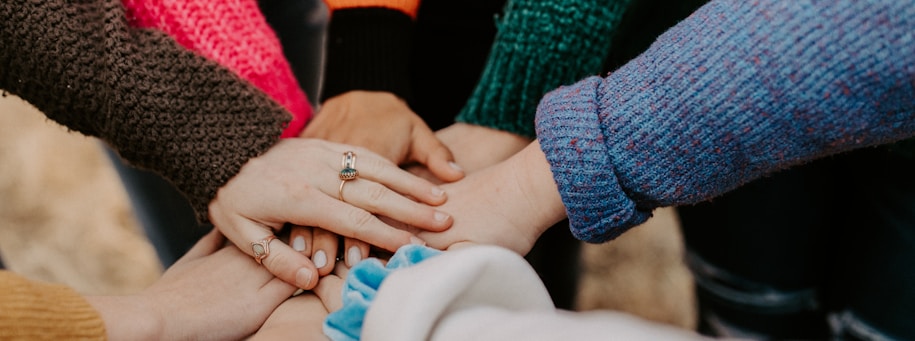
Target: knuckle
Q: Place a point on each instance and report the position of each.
(376, 166)
(377, 194)
(361, 222)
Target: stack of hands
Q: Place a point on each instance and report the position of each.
(299, 184)
(287, 211)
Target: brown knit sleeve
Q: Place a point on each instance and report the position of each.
(38, 311)
(160, 106)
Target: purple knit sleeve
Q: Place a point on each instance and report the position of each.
(737, 90)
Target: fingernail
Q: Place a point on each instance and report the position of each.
(298, 292)
(455, 166)
(320, 259)
(303, 278)
(441, 216)
(416, 241)
(353, 256)
(298, 243)
(437, 191)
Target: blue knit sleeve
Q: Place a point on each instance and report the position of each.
(361, 286)
(737, 90)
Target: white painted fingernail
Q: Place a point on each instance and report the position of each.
(320, 259)
(353, 256)
(437, 191)
(441, 216)
(416, 241)
(455, 166)
(303, 278)
(298, 243)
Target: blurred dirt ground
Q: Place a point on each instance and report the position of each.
(65, 218)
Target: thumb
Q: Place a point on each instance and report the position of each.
(429, 151)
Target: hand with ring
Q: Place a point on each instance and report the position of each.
(298, 181)
(383, 123)
(321, 245)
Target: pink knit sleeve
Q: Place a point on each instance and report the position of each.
(234, 34)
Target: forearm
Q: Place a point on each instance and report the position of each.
(737, 90)
(536, 187)
(160, 106)
(127, 318)
(539, 46)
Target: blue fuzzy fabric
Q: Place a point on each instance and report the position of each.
(360, 287)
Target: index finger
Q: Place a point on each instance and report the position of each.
(349, 221)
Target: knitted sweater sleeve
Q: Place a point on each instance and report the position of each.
(369, 43)
(234, 34)
(737, 90)
(539, 45)
(160, 106)
(38, 311)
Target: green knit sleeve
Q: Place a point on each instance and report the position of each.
(539, 46)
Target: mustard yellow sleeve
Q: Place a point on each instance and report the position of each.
(31, 310)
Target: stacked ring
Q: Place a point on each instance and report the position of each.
(348, 172)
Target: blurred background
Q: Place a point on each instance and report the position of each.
(65, 218)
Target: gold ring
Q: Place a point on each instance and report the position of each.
(349, 171)
(262, 248)
(340, 192)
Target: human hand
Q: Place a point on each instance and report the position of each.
(297, 181)
(212, 293)
(302, 317)
(509, 204)
(476, 147)
(321, 246)
(298, 318)
(383, 123)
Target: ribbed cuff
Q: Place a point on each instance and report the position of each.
(32, 310)
(571, 137)
(362, 285)
(368, 49)
(539, 47)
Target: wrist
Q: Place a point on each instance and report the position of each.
(540, 188)
(129, 317)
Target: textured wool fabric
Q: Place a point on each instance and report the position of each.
(539, 45)
(368, 49)
(31, 310)
(362, 284)
(737, 90)
(234, 34)
(486, 292)
(159, 105)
